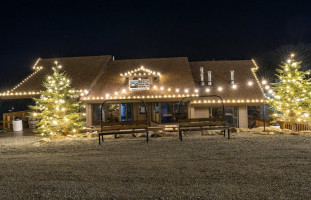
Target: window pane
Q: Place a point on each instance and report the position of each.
(126, 112)
(96, 114)
(167, 112)
(183, 112)
(111, 112)
(216, 112)
(232, 117)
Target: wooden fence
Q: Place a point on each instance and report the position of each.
(295, 126)
(260, 122)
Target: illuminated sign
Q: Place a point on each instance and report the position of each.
(142, 84)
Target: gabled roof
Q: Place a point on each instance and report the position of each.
(82, 70)
(175, 73)
(244, 71)
(178, 77)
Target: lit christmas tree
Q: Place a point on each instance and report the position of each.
(58, 108)
(291, 100)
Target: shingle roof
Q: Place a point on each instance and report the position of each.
(221, 78)
(175, 73)
(101, 75)
(82, 70)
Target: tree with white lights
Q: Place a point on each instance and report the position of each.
(291, 100)
(58, 108)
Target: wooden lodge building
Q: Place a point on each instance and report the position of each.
(160, 82)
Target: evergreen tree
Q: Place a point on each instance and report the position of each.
(58, 108)
(292, 94)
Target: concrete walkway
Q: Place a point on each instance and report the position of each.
(25, 132)
(14, 139)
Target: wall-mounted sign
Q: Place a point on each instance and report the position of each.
(142, 84)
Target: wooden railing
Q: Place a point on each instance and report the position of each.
(295, 126)
(9, 117)
(260, 122)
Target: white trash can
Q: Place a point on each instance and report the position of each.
(17, 125)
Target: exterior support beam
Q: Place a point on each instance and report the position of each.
(89, 115)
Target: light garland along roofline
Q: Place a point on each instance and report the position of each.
(174, 97)
(84, 92)
(19, 93)
(229, 101)
(140, 97)
(254, 72)
(177, 91)
(37, 69)
(141, 68)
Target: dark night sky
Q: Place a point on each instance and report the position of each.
(200, 30)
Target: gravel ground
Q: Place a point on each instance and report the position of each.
(248, 166)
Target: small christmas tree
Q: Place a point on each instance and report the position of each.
(292, 94)
(58, 108)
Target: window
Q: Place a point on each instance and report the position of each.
(126, 112)
(96, 114)
(231, 115)
(167, 112)
(253, 114)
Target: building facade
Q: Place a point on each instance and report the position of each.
(160, 82)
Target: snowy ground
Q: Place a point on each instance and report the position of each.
(248, 166)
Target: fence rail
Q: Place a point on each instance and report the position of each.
(295, 126)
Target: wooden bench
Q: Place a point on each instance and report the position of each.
(199, 124)
(128, 127)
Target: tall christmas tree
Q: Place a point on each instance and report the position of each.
(58, 108)
(292, 94)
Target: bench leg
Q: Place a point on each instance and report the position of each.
(147, 136)
(98, 139)
(115, 136)
(180, 135)
(224, 132)
(102, 138)
(228, 133)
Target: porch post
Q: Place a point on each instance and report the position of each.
(89, 115)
